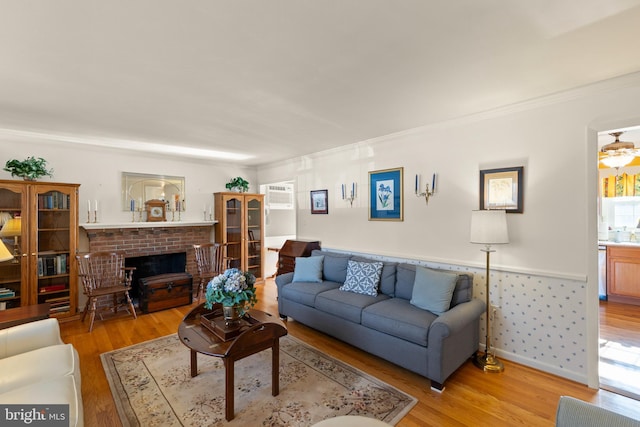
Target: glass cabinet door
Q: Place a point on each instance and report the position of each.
(254, 236)
(54, 250)
(14, 271)
(233, 231)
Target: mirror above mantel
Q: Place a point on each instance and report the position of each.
(138, 188)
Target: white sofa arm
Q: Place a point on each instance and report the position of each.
(29, 336)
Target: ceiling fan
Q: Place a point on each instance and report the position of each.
(618, 153)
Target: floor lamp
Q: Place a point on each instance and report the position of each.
(488, 227)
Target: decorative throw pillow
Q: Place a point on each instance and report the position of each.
(308, 269)
(432, 290)
(363, 277)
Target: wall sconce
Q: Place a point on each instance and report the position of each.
(352, 195)
(426, 194)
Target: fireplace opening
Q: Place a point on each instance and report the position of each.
(152, 265)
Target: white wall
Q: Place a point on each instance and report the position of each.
(98, 170)
(546, 285)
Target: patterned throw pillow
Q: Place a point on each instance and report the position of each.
(362, 277)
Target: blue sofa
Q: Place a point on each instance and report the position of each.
(388, 324)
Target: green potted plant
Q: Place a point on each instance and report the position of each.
(238, 184)
(29, 169)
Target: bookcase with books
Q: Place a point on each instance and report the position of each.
(43, 241)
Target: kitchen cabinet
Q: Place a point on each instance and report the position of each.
(623, 274)
(240, 218)
(40, 227)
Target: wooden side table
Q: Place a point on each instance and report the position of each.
(264, 334)
(25, 314)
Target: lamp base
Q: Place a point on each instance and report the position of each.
(488, 363)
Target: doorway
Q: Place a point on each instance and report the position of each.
(280, 220)
(619, 314)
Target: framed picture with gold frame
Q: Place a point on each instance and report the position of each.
(502, 189)
(386, 195)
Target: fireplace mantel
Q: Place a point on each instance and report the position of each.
(136, 225)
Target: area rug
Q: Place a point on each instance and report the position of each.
(152, 386)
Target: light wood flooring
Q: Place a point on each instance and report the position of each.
(620, 348)
(518, 396)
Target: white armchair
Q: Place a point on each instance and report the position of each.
(38, 368)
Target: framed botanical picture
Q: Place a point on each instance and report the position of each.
(502, 189)
(319, 202)
(385, 195)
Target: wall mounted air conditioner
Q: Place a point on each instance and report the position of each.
(279, 196)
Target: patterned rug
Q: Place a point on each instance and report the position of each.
(152, 386)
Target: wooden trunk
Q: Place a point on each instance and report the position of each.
(165, 291)
(292, 249)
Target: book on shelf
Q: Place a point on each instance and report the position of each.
(51, 265)
(54, 201)
(53, 288)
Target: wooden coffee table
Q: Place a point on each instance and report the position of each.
(264, 332)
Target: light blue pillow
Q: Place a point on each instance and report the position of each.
(362, 277)
(308, 269)
(432, 290)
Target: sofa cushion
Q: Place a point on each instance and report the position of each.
(37, 365)
(306, 292)
(308, 269)
(362, 277)
(347, 305)
(397, 317)
(335, 265)
(388, 276)
(433, 289)
(405, 277)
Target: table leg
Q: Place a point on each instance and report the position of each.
(275, 367)
(194, 363)
(228, 388)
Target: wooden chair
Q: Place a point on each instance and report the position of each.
(211, 261)
(102, 274)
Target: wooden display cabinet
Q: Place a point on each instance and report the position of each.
(44, 243)
(240, 227)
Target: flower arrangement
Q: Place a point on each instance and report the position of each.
(233, 287)
(31, 168)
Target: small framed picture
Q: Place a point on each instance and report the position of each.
(319, 202)
(385, 195)
(502, 189)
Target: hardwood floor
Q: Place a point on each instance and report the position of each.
(620, 348)
(518, 396)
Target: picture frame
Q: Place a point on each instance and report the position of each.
(502, 189)
(386, 194)
(319, 201)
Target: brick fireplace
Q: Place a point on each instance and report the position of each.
(148, 241)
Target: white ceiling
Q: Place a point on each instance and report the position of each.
(276, 79)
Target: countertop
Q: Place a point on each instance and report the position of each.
(612, 243)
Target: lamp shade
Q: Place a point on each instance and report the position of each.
(11, 228)
(5, 255)
(489, 227)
